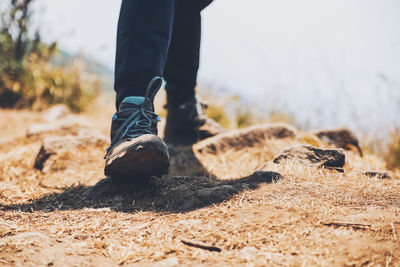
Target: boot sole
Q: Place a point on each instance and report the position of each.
(139, 162)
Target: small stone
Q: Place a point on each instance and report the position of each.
(341, 138)
(327, 158)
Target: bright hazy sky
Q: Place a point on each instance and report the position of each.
(310, 55)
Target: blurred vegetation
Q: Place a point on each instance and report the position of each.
(28, 78)
(233, 112)
(219, 114)
(392, 153)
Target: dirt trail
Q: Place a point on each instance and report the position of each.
(210, 210)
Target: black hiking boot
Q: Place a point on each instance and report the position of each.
(186, 124)
(136, 152)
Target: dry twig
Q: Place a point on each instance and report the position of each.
(362, 226)
(202, 246)
(394, 232)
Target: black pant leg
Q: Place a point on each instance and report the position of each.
(143, 38)
(182, 63)
(183, 57)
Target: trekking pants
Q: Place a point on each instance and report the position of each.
(158, 38)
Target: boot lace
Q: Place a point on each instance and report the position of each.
(140, 122)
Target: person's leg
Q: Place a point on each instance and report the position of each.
(183, 56)
(144, 33)
(143, 38)
(184, 53)
(186, 123)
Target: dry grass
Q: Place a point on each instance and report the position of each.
(392, 153)
(310, 217)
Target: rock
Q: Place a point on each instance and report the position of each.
(377, 174)
(247, 137)
(56, 113)
(341, 138)
(327, 158)
(70, 123)
(54, 145)
(265, 176)
(40, 128)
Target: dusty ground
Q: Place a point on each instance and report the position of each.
(209, 211)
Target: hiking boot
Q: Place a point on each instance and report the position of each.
(136, 151)
(186, 124)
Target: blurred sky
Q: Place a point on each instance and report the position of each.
(329, 62)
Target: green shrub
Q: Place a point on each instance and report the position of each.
(28, 78)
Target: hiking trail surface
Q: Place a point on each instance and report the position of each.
(265, 195)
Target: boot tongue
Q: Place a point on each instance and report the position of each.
(135, 101)
(131, 102)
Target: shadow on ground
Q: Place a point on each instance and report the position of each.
(189, 186)
(168, 194)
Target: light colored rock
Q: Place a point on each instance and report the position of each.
(54, 145)
(327, 158)
(68, 123)
(37, 129)
(247, 137)
(56, 113)
(341, 138)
